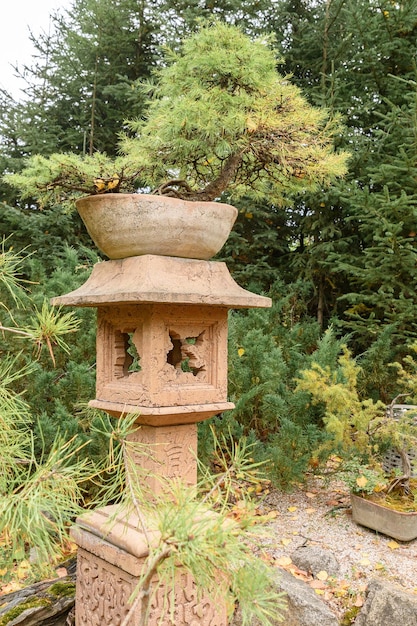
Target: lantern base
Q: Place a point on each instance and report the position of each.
(111, 560)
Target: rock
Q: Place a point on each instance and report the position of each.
(314, 559)
(304, 607)
(387, 604)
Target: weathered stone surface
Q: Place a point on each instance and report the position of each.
(153, 278)
(171, 453)
(387, 605)
(111, 557)
(124, 225)
(304, 607)
(162, 355)
(314, 559)
(179, 359)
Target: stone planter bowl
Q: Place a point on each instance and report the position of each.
(126, 225)
(396, 524)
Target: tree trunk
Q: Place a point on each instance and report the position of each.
(180, 188)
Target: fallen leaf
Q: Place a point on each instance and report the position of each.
(286, 541)
(318, 584)
(12, 586)
(343, 584)
(310, 494)
(361, 481)
(393, 545)
(365, 562)
(322, 575)
(332, 502)
(310, 511)
(300, 573)
(341, 592)
(291, 509)
(284, 561)
(61, 572)
(319, 592)
(379, 566)
(23, 569)
(359, 601)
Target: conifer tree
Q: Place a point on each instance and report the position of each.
(356, 58)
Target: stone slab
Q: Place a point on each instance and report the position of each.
(165, 415)
(153, 278)
(113, 534)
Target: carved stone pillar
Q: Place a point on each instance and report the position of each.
(161, 354)
(112, 552)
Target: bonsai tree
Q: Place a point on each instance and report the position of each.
(220, 119)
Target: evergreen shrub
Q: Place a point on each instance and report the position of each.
(267, 350)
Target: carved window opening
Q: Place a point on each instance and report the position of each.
(186, 353)
(132, 361)
(127, 355)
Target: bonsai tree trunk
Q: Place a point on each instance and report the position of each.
(402, 482)
(180, 188)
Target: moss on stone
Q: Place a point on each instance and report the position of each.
(62, 589)
(9, 616)
(350, 616)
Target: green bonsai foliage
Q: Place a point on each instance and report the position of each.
(61, 178)
(364, 479)
(220, 118)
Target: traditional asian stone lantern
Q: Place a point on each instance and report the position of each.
(161, 353)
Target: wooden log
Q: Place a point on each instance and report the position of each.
(46, 603)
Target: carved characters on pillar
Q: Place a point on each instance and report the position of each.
(185, 607)
(103, 593)
(172, 451)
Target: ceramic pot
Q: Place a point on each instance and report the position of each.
(126, 225)
(396, 524)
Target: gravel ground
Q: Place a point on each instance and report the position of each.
(319, 514)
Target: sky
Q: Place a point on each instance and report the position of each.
(15, 45)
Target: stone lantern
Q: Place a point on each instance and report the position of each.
(161, 354)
